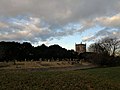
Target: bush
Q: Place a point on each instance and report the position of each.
(106, 60)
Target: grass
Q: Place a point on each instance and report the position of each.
(88, 79)
(34, 64)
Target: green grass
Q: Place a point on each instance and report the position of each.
(91, 79)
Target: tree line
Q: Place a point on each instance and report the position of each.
(10, 51)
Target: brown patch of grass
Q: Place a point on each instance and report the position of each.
(36, 64)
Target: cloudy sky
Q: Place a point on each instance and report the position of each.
(63, 22)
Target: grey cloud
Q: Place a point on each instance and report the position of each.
(106, 32)
(103, 32)
(35, 20)
(31, 29)
(60, 10)
(111, 22)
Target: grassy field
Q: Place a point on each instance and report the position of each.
(34, 64)
(88, 79)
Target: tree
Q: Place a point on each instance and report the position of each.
(111, 45)
(40, 52)
(105, 50)
(97, 48)
(107, 45)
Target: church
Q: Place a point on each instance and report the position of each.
(80, 48)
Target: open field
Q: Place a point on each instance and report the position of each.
(86, 79)
(32, 64)
(41, 64)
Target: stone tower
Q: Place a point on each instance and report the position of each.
(80, 48)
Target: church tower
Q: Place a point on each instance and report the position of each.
(80, 48)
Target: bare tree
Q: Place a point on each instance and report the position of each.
(97, 48)
(112, 45)
(107, 45)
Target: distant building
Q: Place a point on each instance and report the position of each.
(80, 48)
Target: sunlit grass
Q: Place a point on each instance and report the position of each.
(34, 64)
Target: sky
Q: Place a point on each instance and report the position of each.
(62, 22)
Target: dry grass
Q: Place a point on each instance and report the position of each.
(35, 64)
